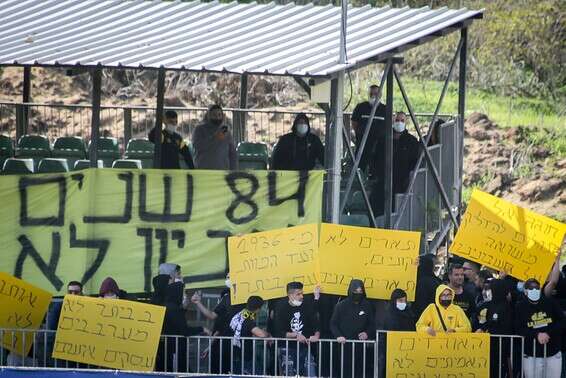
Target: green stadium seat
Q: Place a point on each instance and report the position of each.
(35, 147)
(14, 166)
(6, 149)
(252, 155)
(127, 163)
(84, 164)
(70, 148)
(354, 220)
(53, 165)
(108, 150)
(140, 149)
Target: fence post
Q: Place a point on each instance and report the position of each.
(20, 126)
(127, 115)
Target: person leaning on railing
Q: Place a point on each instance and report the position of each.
(443, 315)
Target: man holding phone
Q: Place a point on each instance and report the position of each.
(213, 143)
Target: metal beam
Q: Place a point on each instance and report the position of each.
(159, 116)
(96, 75)
(431, 130)
(388, 182)
(363, 142)
(424, 146)
(26, 98)
(243, 104)
(333, 153)
(461, 112)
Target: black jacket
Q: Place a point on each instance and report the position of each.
(350, 318)
(532, 318)
(427, 283)
(377, 131)
(499, 316)
(172, 146)
(406, 151)
(295, 153)
(175, 322)
(301, 319)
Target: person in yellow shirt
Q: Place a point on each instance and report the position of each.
(443, 316)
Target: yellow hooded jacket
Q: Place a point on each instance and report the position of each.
(454, 317)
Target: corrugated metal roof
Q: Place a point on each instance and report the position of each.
(232, 37)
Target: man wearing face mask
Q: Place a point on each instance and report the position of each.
(443, 315)
(406, 149)
(294, 319)
(213, 143)
(540, 321)
(172, 143)
(360, 117)
(354, 319)
(300, 150)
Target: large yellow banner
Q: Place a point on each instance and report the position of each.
(91, 224)
(263, 263)
(109, 332)
(383, 259)
(22, 306)
(506, 237)
(442, 356)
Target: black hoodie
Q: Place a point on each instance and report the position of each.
(499, 316)
(352, 318)
(397, 320)
(160, 283)
(175, 322)
(532, 318)
(427, 283)
(295, 153)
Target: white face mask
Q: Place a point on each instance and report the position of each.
(372, 100)
(520, 286)
(295, 303)
(110, 296)
(302, 129)
(228, 283)
(401, 306)
(533, 294)
(178, 279)
(487, 296)
(399, 126)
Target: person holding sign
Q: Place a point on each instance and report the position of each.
(353, 319)
(294, 319)
(541, 322)
(443, 315)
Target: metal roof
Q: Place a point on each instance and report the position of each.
(224, 37)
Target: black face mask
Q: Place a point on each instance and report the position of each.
(445, 302)
(216, 122)
(357, 297)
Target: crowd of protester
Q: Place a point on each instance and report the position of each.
(465, 299)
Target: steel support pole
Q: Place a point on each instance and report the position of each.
(26, 98)
(241, 135)
(159, 116)
(343, 32)
(461, 112)
(96, 75)
(333, 153)
(388, 179)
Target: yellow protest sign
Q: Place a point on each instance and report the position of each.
(445, 355)
(383, 259)
(22, 306)
(112, 333)
(263, 263)
(89, 225)
(504, 236)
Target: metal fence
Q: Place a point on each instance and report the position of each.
(276, 356)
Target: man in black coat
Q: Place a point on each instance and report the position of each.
(427, 283)
(172, 144)
(406, 149)
(300, 150)
(354, 319)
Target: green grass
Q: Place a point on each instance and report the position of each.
(541, 118)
